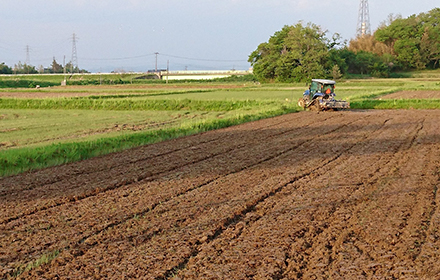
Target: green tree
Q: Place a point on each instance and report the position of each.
(408, 53)
(296, 53)
(339, 58)
(24, 69)
(5, 69)
(363, 62)
(415, 41)
(56, 67)
(430, 41)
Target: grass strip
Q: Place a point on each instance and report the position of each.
(376, 94)
(158, 93)
(15, 161)
(129, 104)
(44, 259)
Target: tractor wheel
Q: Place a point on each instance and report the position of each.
(315, 106)
(301, 103)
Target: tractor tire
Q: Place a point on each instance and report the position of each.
(302, 103)
(315, 106)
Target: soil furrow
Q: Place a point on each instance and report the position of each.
(80, 179)
(291, 148)
(318, 170)
(335, 241)
(271, 156)
(352, 202)
(253, 207)
(341, 195)
(19, 183)
(137, 155)
(95, 188)
(399, 159)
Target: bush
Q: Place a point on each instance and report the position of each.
(24, 84)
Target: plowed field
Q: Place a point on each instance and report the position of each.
(339, 195)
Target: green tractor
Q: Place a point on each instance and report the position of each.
(321, 97)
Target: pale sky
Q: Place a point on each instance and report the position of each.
(189, 34)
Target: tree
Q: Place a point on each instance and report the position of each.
(430, 41)
(414, 40)
(364, 61)
(56, 67)
(296, 53)
(336, 72)
(5, 69)
(370, 44)
(340, 58)
(24, 69)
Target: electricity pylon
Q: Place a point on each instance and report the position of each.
(74, 64)
(363, 24)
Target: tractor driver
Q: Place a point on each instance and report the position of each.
(307, 92)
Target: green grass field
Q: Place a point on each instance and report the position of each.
(41, 132)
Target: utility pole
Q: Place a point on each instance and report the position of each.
(64, 83)
(168, 69)
(363, 24)
(156, 53)
(74, 54)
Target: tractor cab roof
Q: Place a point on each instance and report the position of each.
(324, 82)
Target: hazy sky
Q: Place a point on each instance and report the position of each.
(190, 34)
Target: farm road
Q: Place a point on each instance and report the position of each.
(307, 195)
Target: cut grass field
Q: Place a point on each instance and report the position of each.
(56, 125)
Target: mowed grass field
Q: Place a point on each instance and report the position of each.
(55, 125)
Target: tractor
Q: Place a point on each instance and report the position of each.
(321, 97)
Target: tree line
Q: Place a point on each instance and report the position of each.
(301, 52)
(55, 67)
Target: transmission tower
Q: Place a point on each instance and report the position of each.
(363, 24)
(28, 57)
(74, 64)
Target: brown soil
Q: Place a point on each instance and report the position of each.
(339, 195)
(414, 94)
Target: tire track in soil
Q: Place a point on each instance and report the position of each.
(329, 246)
(203, 241)
(319, 172)
(374, 257)
(397, 158)
(423, 224)
(373, 267)
(430, 246)
(114, 184)
(336, 235)
(139, 214)
(281, 153)
(335, 241)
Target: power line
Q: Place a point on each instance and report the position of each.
(118, 58)
(201, 59)
(166, 55)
